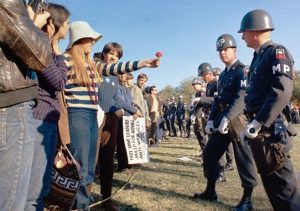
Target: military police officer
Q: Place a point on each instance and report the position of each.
(166, 116)
(191, 116)
(200, 122)
(228, 104)
(172, 109)
(268, 96)
(180, 115)
(228, 157)
(217, 72)
(206, 71)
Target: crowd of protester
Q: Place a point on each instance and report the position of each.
(52, 97)
(75, 85)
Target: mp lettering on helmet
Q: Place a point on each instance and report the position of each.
(221, 42)
(284, 69)
(280, 54)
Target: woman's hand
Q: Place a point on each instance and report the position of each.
(152, 63)
(40, 19)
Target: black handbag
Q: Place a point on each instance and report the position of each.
(65, 182)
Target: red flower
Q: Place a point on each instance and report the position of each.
(159, 54)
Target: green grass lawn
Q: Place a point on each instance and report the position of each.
(167, 183)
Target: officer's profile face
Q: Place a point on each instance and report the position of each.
(249, 38)
(207, 77)
(228, 55)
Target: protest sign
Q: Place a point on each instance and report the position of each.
(135, 138)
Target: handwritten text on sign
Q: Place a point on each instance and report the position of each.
(134, 132)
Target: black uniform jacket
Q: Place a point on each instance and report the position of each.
(270, 83)
(211, 90)
(231, 92)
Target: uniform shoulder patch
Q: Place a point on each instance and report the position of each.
(280, 54)
(246, 70)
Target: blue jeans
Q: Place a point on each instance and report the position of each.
(17, 132)
(43, 158)
(84, 135)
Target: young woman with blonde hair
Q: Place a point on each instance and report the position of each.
(81, 94)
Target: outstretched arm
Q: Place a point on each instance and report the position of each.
(125, 67)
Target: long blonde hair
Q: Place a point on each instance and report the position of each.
(80, 63)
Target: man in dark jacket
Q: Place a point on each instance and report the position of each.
(172, 116)
(23, 46)
(180, 116)
(228, 104)
(267, 108)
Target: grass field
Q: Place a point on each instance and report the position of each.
(167, 183)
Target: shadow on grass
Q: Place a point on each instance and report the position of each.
(265, 206)
(157, 191)
(170, 193)
(122, 206)
(166, 154)
(169, 171)
(175, 162)
(116, 184)
(173, 147)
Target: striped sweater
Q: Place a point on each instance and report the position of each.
(80, 96)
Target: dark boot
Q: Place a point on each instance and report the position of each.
(206, 196)
(109, 205)
(244, 205)
(209, 194)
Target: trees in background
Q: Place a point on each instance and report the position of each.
(185, 89)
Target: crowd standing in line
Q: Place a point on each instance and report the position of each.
(43, 79)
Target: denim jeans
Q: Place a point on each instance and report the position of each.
(43, 158)
(84, 134)
(17, 132)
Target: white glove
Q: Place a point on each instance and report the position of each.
(252, 129)
(209, 128)
(196, 101)
(223, 127)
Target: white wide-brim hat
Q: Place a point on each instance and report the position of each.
(81, 29)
